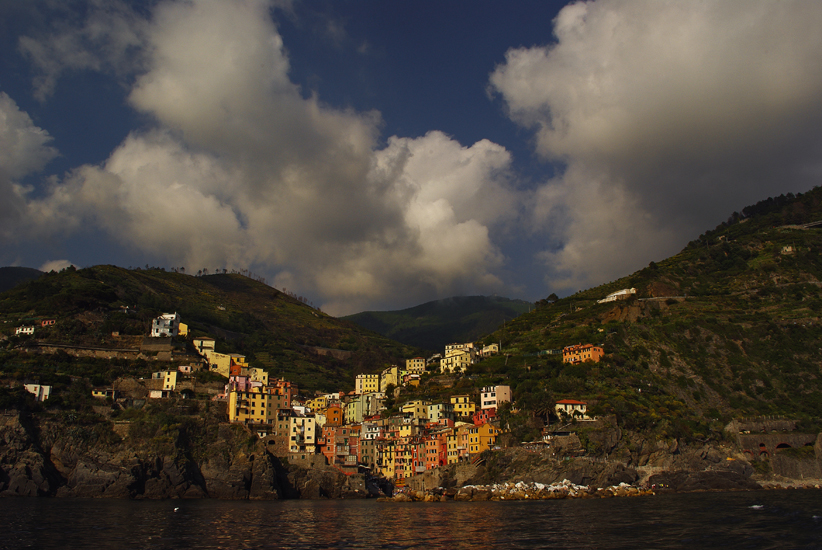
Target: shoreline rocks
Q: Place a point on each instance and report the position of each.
(518, 491)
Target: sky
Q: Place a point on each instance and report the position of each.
(374, 155)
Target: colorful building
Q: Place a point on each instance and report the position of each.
(493, 396)
(463, 407)
(581, 353)
(366, 383)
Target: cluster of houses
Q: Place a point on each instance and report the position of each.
(28, 330)
(351, 430)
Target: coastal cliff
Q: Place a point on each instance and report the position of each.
(74, 456)
(62, 457)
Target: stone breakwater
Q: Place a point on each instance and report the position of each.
(517, 491)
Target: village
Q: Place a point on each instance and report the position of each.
(351, 431)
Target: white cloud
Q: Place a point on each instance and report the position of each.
(243, 170)
(24, 149)
(669, 116)
(55, 265)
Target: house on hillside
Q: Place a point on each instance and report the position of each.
(572, 409)
(203, 344)
(40, 392)
(28, 331)
(623, 294)
(166, 325)
(494, 396)
(581, 353)
(415, 365)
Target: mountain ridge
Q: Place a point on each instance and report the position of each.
(434, 324)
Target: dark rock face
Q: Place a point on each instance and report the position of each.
(709, 480)
(50, 460)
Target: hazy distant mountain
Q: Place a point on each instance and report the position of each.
(10, 277)
(434, 324)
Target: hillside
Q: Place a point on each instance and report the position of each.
(10, 277)
(728, 328)
(272, 329)
(434, 324)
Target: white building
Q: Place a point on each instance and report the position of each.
(571, 408)
(167, 324)
(40, 392)
(25, 330)
(494, 396)
(623, 294)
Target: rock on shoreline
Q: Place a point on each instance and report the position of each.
(518, 491)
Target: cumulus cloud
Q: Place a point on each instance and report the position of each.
(24, 149)
(244, 169)
(55, 265)
(668, 116)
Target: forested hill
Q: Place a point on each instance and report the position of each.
(272, 329)
(434, 324)
(729, 327)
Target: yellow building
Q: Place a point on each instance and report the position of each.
(221, 362)
(366, 383)
(169, 378)
(416, 408)
(386, 457)
(203, 344)
(458, 360)
(415, 365)
(317, 404)
(457, 444)
(255, 405)
(392, 375)
(257, 375)
(481, 438)
(463, 407)
(183, 330)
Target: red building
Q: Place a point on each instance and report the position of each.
(340, 445)
(484, 416)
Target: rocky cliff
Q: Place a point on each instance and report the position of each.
(70, 454)
(65, 457)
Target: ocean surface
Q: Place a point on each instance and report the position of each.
(763, 519)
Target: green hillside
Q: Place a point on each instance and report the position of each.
(729, 327)
(272, 329)
(434, 324)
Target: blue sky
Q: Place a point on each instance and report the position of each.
(376, 155)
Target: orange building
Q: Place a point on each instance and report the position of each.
(581, 353)
(334, 415)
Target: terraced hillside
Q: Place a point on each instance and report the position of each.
(729, 327)
(271, 328)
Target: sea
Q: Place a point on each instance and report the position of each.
(761, 519)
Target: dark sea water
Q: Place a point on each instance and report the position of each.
(763, 519)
